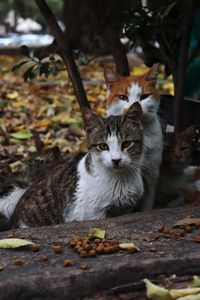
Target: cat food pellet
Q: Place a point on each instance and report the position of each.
(35, 248)
(196, 239)
(92, 253)
(132, 250)
(69, 262)
(165, 230)
(161, 228)
(97, 241)
(108, 250)
(84, 267)
(44, 258)
(116, 248)
(152, 249)
(57, 249)
(197, 225)
(114, 242)
(161, 277)
(86, 247)
(18, 262)
(83, 254)
(1, 268)
(129, 237)
(72, 243)
(10, 235)
(188, 228)
(100, 249)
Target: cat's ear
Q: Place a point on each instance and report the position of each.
(189, 132)
(91, 120)
(111, 76)
(134, 112)
(152, 74)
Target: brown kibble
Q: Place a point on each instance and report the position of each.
(35, 247)
(10, 235)
(86, 247)
(69, 262)
(108, 250)
(165, 229)
(161, 228)
(197, 225)
(179, 233)
(84, 267)
(152, 249)
(188, 228)
(100, 249)
(161, 277)
(101, 245)
(114, 242)
(18, 261)
(83, 254)
(128, 237)
(44, 258)
(97, 241)
(72, 243)
(132, 250)
(57, 249)
(196, 239)
(1, 268)
(115, 248)
(92, 253)
(79, 249)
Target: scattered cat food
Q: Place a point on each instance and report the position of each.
(69, 262)
(18, 261)
(57, 249)
(1, 268)
(35, 247)
(84, 267)
(92, 247)
(44, 258)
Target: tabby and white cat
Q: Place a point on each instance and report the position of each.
(86, 186)
(121, 93)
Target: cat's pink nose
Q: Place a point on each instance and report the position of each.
(116, 162)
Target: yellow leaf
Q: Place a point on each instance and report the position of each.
(155, 292)
(13, 243)
(97, 233)
(187, 221)
(13, 95)
(195, 281)
(177, 293)
(190, 297)
(19, 104)
(126, 246)
(43, 123)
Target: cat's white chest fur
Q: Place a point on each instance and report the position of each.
(95, 193)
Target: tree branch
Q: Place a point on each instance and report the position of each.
(65, 52)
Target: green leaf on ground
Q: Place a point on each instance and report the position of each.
(97, 233)
(13, 243)
(22, 135)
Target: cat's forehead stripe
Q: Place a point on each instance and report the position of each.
(134, 90)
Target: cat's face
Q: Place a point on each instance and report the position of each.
(178, 150)
(115, 142)
(124, 91)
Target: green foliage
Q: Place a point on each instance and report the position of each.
(38, 64)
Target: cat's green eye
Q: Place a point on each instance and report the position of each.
(123, 97)
(103, 146)
(126, 144)
(144, 96)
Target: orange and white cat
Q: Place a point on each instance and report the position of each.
(122, 92)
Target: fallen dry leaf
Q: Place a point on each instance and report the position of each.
(187, 221)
